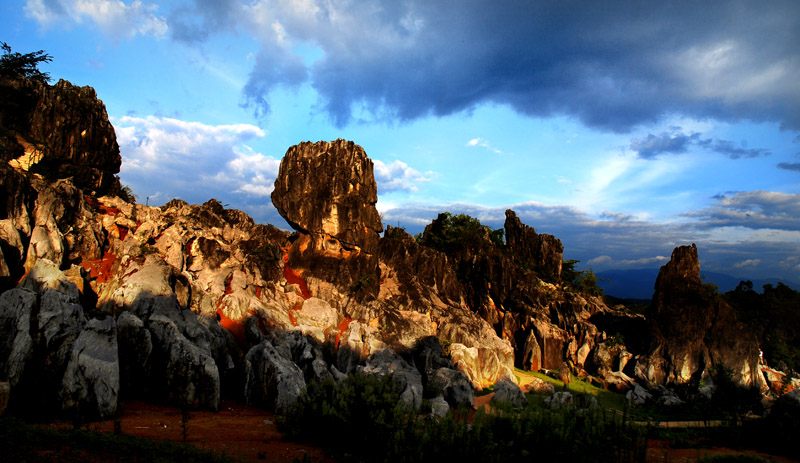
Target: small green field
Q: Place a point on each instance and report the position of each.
(606, 398)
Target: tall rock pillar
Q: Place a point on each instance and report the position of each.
(327, 192)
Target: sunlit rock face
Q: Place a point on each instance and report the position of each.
(327, 192)
(692, 328)
(60, 131)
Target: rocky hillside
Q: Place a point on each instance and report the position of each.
(103, 299)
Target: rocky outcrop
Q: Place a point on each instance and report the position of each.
(60, 131)
(692, 329)
(544, 251)
(272, 380)
(508, 393)
(327, 192)
(91, 382)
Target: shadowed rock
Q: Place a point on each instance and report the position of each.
(61, 131)
(692, 328)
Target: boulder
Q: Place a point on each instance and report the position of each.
(16, 345)
(564, 373)
(357, 343)
(454, 386)
(637, 396)
(45, 274)
(507, 392)
(619, 382)
(538, 386)
(385, 362)
(482, 365)
(428, 355)
(305, 351)
(271, 380)
(188, 374)
(327, 192)
(439, 407)
(315, 317)
(135, 346)
(91, 382)
(606, 357)
(558, 400)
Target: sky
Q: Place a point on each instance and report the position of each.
(623, 128)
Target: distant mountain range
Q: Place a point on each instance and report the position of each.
(639, 283)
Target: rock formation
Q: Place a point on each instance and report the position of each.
(327, 192)
(545, 251)
(60, 131)
(103, 300)
(692, 329)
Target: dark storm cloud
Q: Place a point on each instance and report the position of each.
(194, 22)
(730, 150)
(612, 65)
(653, 146)
(753, 210)
(795, 166)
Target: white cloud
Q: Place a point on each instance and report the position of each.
(484, 144)
(194, 161)
(609, 262)
(747, 263)
(398, 176)
(115, 18)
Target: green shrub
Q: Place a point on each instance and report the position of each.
(362, 420)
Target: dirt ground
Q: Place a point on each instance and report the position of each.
(250, 434)
(247, 433)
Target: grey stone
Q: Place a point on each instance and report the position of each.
(188, 373)
(559, 400)
(454, 385)
(271, 379)
(91, 381)
(506, 392)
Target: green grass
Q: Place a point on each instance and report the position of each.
(23, 442)
(606, 398)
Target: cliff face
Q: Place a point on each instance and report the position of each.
(692, 329)
(60, 131)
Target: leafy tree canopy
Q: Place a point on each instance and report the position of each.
(17, 65)
(449, 233)
(583, 281)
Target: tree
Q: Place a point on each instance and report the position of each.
(17, 65)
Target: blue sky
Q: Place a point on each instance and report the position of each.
(623, 128)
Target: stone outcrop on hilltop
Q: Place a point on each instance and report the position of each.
(693, 329)
(60, 131)
(327, 192)
(546, 250)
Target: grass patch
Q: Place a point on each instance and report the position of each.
(605, 398)
(25, 442)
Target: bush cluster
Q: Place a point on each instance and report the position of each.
(362, 420)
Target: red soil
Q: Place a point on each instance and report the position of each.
(293, 277)
(244, 432)
(342, 326)
(236, 327)
(100, 269)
